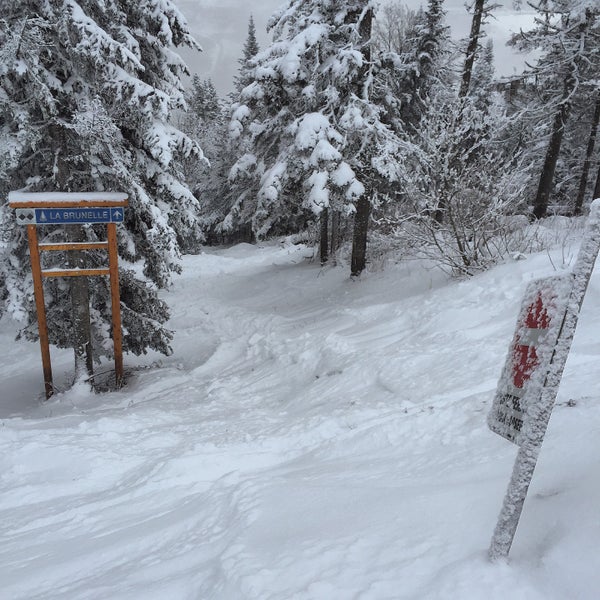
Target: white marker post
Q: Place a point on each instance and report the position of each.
(536, 399)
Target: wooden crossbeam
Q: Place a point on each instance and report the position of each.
(74, 246)
(75, 272)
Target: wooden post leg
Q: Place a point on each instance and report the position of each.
(113, 265)
(38, 290)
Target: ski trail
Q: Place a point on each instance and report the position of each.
(311, 437)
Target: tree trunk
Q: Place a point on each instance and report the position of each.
(80, 293)
(440, 210)
(80, 306)
(335, 232)
(588, 159)
(324, 243)
(359, 236)
(478, 13)
(365, 30)
(363, 205)
(540, 204)
(597, 186)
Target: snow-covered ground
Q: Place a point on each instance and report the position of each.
(312, 437)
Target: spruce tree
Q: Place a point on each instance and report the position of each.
(250, 50)
(315, 136)
(428, 66)
(468, 173)
(206, 123)
(482, 78)
(415, 48)
(87, 88)
(223, 217)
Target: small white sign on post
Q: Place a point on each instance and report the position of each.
(531, 377)
(538, 325)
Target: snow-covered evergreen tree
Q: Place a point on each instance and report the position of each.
(206, 123)
(482, 78)
(481, 10)
(425, 55)
(86, 89)
(250, 50)
(218, 195)
(468, 172)
(203, 102)
(316, 137)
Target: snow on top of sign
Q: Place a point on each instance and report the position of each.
(16, 197)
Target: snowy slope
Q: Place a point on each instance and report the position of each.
(310, 438)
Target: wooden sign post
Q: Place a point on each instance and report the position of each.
(57, 208)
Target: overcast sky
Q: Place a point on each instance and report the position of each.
(221, 27)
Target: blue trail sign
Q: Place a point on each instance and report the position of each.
(66, 216)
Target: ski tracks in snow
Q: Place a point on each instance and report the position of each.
(311, 437)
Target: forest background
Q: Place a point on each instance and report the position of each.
(367, 131)
(221, 26)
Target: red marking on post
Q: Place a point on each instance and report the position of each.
(525, 358)
(537, 315)
(525, 362)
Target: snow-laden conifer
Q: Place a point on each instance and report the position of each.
(227, 186)
(86, 89)
(416, 50)
(465, 182)
(206, 123)
(314, 136)
(250, 50)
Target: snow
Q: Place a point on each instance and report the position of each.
(163, 141)
(355, 190)
(18, 197)
(294, 49)
(270, 184)
(318, 196)
(343, 175)
(311, 128)
(312, 437)
(324, 152)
